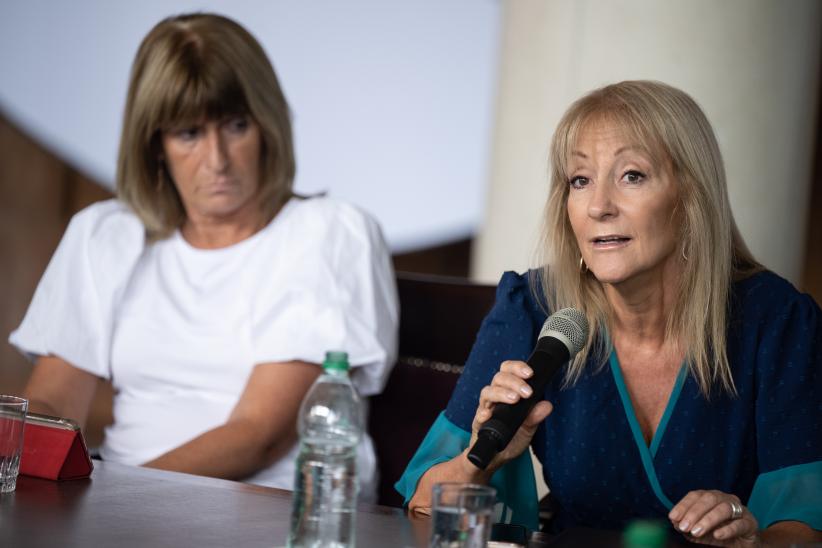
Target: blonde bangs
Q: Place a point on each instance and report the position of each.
(187, 85)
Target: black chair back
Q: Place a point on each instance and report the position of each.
(439, 320)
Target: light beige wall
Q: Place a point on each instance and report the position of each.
(753, 65)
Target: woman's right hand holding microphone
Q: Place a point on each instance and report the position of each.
(508, 386)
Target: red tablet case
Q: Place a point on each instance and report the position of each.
(54, 453)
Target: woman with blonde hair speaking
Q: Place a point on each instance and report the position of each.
(695, 398)
(208, 292)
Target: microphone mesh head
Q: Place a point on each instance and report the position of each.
(571, 324)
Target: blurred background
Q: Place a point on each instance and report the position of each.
(433, 115)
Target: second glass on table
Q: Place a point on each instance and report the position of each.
(461, 515)
(12, 421)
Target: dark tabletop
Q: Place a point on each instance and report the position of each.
(123, 506)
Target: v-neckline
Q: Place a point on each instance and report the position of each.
(646, 452)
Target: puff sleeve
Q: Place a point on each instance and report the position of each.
(789, 415)
(343, 295)
(74, 307)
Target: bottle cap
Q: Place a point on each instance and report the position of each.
(645, 534)
(337, 361)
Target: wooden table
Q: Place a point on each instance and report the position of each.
(128, 506)
(123, 506)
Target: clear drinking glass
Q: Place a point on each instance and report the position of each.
(461, 515)
(12, 420)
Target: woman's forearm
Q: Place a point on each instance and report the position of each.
(43, 407)
(458, 469)
(234, 450)
(57, 388)
(260, 429)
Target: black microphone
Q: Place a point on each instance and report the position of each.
(563, 334)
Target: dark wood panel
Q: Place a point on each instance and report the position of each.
(38, 195)
(451, 259)
(812, 279)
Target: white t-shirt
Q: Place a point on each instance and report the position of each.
(178, 329)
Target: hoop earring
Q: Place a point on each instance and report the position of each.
(583, 268)
(684, 257)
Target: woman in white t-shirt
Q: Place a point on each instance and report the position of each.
(208, 292)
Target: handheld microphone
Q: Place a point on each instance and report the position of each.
(563, 335)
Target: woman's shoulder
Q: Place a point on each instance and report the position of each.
(106, 218)
(762, 283)
(328, 211)
(522, 291)
(767, 298)
(108, 227)
(766, 291)
(330, 219)
(111, 210)
(518, 302)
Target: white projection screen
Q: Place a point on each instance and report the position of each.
(392, 101)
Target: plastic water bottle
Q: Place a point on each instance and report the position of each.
(330, 425)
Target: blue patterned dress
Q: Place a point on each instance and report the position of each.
(763, 445)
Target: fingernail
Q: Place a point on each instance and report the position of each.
(684, 526)
(527, 372)
(511, 396)
(526, 390)
(719, 535)
(697, 531)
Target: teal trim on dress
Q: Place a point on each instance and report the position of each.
(793, 493)
(443, 442)
(644, 452)
(514, 482)
(669, 409)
